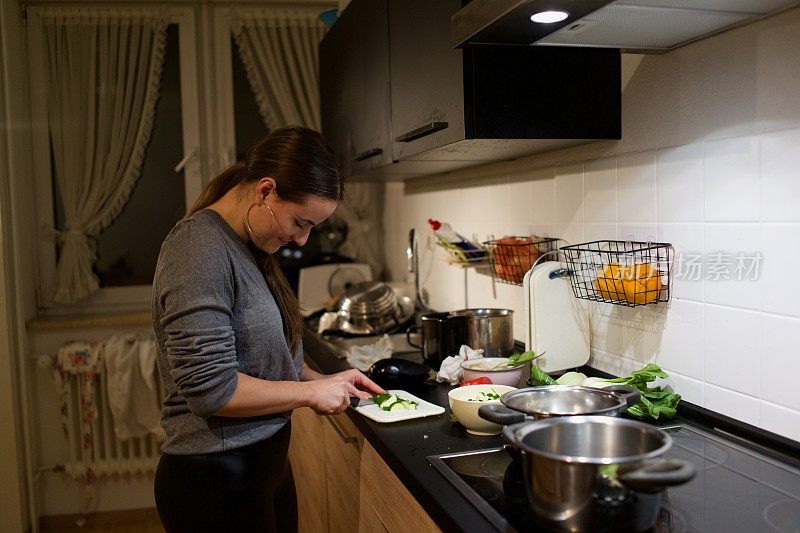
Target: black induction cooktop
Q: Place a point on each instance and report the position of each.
(736, 488)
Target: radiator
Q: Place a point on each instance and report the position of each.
(107, 454)
(94, 449)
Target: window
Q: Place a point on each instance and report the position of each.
(128, 249)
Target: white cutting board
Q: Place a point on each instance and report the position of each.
(377, 414)
(557, 322)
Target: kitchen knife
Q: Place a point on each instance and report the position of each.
(355, 401)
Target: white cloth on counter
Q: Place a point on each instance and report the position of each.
(327, 321)
(362, 357)
(130, 361)
(450, 371)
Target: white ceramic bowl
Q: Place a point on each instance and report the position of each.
(466, 411)
(477, 368)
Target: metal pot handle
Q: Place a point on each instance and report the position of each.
(632, 395)
(500, 414)
(409, 331)
(657, 474)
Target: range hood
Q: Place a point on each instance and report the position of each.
(640, 26)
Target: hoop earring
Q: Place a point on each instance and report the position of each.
(247, 219)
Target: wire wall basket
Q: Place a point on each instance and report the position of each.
(512, 257)
(627, 273)
(466, 255)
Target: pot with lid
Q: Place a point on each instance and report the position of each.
(571, 462)
(535, 403)
(443, 334)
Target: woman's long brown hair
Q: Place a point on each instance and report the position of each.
(302, 165)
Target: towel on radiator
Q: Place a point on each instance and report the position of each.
(130, 361)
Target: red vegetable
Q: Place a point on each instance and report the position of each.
(477, 381)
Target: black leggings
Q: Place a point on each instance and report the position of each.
(246, 489)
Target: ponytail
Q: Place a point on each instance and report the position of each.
(286, 300)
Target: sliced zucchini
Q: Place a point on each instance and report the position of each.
(397, 406)
(388, 402)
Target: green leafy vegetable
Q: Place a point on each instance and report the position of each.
(540, 377)
(656, 402)
(485, 396)
(520, 358)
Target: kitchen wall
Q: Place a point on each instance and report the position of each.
(709, 161)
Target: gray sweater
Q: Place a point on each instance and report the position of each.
(214, 316)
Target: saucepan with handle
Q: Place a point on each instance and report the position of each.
(568, 461)
(535, 403)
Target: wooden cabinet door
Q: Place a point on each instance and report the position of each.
(386, 504)
(426, 74)
(343, 444)
(354, 86)
(307, 454)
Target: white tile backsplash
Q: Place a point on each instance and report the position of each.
(733, 349)
(636, 181)
(688, 242)
(780, 360)
(733, 404)
(680, 188)
(780, 420)
(728, 249)
(683, 338)
(569, 193)
(690, 389)
(779, 163)
(780, 246)
(729, 342)
(600, 185)
(543, 197)
(732, 191)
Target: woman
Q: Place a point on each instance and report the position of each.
(229, 335)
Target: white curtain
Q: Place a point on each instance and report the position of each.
(104, 70)
(279, 50)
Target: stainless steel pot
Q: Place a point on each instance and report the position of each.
(564, 459)
(441, 338)
(489, 329)
(372, 307)
(559, 400)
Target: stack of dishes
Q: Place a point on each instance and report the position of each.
(372, 307)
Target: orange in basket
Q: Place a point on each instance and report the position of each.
(513, 257)
(638, 284)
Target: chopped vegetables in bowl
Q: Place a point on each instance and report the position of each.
(496, 369)
(465, 401)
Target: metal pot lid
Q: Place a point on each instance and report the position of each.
(599, 440)
(563, 400)
(483, 312)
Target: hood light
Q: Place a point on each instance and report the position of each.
(547, 17)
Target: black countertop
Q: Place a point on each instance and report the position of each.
(406, 445)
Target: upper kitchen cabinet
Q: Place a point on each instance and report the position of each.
(354, 77)
(453, 108)
(485, 103)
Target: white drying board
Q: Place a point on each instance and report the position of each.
(312, 284)
(557, 323)
(377, 414)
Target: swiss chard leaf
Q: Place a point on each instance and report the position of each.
(520, 358)
(540, 377)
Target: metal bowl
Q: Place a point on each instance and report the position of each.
(372, 307)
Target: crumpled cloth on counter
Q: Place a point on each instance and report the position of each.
(450, 371)
(362, 357)
(327, 321)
